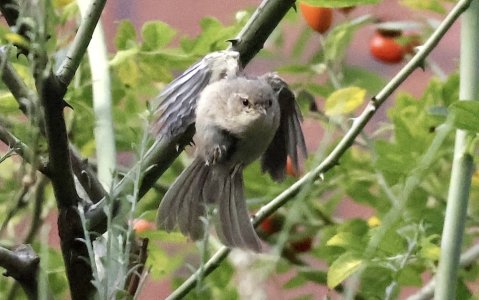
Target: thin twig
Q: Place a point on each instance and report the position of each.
(133, 281)
(21, 149)
(20, 202)
(39, 200)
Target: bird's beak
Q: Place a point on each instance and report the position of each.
(262, 110)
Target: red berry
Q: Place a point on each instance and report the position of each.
(385, 48)
(303, 245)
(272, 224)
(141, 225)
(318, 18)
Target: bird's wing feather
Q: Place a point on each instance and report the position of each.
(289, 139)
(176, 110)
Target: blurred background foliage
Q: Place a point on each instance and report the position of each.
(308, 237)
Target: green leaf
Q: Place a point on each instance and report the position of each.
(410, 275)
(339, 3)
(294, 282)
(318, 89)
(213, 37)
(431, 5)
(346, 240)
(463, 291)
(125, 35)
(128, 72)
(8, 104)
(317, 276)
(429, 247)
(465, 115)
(160, 235)
(363, 78)
(343, 267)
(294, 69)
(156, 35)
(122, 56)
(344, 101)
(337, 41)
(301, 42)
(163, 263)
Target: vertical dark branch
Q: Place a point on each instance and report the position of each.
(51, 96)
(69, 226)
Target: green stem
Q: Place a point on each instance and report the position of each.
(462, 168)
(102, 107)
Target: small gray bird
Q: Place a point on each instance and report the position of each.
(237, 120)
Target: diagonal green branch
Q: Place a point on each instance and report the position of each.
(344, 144)
(255, 33)
(79, 46)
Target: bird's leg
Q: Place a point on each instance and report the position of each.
(222, 145)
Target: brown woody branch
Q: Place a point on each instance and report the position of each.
(21, 264)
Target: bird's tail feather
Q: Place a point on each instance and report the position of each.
(185, 204)
(235, 228)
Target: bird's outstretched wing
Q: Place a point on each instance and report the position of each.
(177, 102)
(289, 139)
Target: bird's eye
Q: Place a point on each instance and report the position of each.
(245, 102)
(270, 102)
